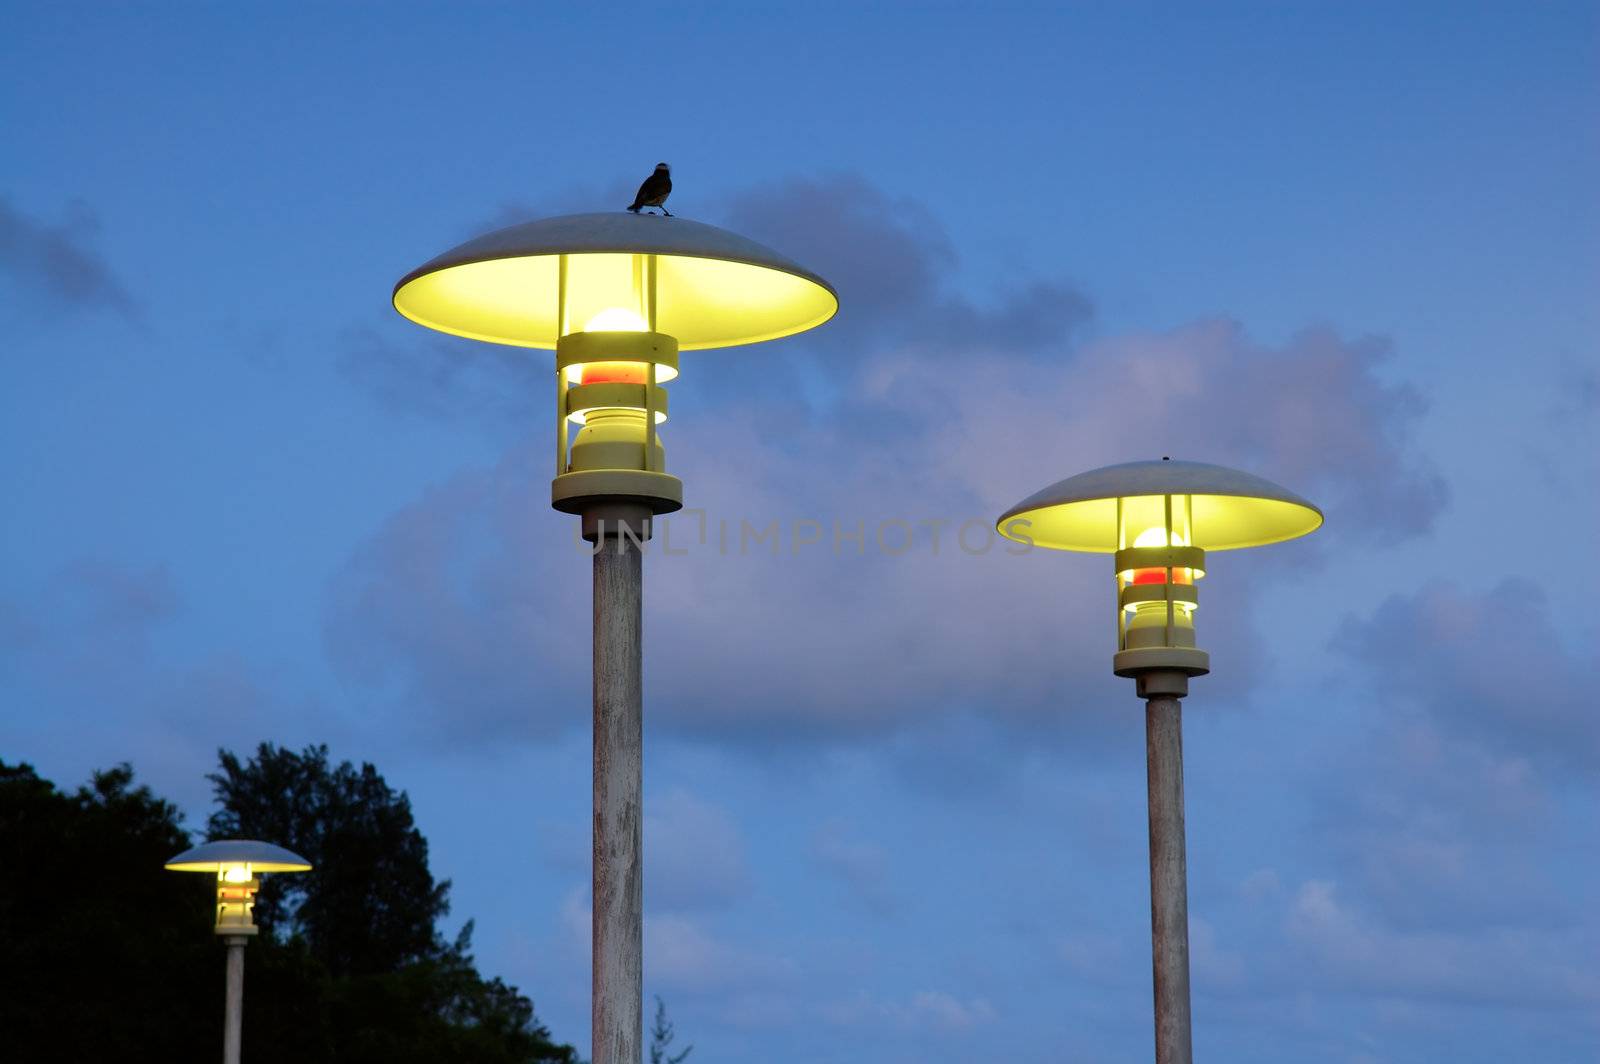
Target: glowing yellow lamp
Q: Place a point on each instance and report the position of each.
(1159, 519)
(618, 296)
(236, 863)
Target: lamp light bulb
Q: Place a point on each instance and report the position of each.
(1156, 536)
(236, 873)
(616, 319)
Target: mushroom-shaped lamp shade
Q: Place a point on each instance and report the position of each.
(1110, 509)
(225, 854)
(529, 285)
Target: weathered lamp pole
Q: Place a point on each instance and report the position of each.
(1158, 520)
(236, 863)
(617, 296)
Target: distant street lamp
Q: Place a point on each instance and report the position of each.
(236, 863)
(1158, 519)
(617, 296)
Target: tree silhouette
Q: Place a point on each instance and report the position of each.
(103, 953)
(106, 956)
(661, 1035)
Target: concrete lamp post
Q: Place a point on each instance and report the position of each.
(618, 296)
(236, 863)
(1158, 520)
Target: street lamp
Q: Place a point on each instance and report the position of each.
(236, 864)
(1158, 520)
(618, 296)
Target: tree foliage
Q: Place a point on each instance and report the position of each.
(108, 956)
(103, 954)
(662, 1032)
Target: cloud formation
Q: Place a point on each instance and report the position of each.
(694, 853)
(86, 647)
(455, 608)
(683, 953)
(1424, 847)
(1493, 665)
(861, 865)
(1343, 949)
(57, 265)
(446, 378)
(924, 1011)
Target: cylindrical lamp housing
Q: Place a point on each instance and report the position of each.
(236, 900)
(1156, 572)
(610, 385)
(609, 372)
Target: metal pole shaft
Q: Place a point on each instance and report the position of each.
(233, 1006)
(618, 783)
(1169, 890)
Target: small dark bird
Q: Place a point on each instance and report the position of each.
(655, 190)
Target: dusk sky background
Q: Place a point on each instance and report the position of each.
(894, 801)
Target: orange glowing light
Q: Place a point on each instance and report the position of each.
(614, 373)
(1159, 576)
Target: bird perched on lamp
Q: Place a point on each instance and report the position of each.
(655, 190)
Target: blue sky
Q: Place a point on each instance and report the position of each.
(894, 800)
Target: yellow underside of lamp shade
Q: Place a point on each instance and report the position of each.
(1228, 509)
(712, 288)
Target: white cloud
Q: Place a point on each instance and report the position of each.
(680, 953)
(694, 853)
(1214, 966)
(922, 1010)
(1341, 946)
(862, 865)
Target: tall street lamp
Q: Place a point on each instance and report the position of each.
(236, 864)
(1158, 520)
(618, 296)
